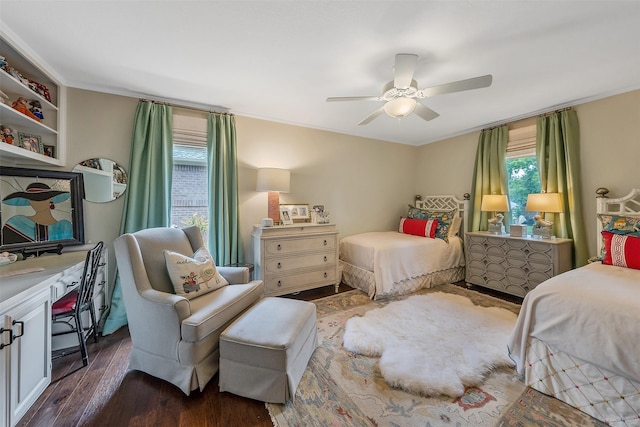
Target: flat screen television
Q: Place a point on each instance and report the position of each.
(40, 210)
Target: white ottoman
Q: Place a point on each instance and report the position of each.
(264, 352)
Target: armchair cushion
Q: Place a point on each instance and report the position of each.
(193, 276)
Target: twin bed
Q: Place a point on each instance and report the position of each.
(388, 263)
(577, 337)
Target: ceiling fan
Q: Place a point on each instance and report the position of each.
(401, 94)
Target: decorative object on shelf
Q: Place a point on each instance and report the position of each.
(22, 105)
(36, 109)
(319, 215)
(285, 216)
(41, 209)
(7, 134)
(267, 222)
(543, 203)
(49, 150)
(517, 230)
(497, 203)
(299, 213)
(40, 89)
(30, 142)
(274, 181)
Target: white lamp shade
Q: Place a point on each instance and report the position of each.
(400, 107)
(271, 179)
(544, 202)
(495, 203)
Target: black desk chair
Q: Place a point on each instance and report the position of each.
(70, 308)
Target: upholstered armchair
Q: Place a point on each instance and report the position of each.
(175, 338)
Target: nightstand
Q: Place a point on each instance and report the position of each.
(514, 265)
(297, 257)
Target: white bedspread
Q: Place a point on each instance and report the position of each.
(394, 257)
(592, 313)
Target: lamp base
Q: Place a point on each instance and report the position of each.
(496, 228)
(273, 199)
(542, 232)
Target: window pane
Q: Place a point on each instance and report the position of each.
(189, 196)
(523, 180)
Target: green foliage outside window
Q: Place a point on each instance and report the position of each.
(523, 180)
(198, 220)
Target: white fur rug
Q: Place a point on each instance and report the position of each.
(433, 344)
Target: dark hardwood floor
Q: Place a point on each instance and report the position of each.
(105, 393)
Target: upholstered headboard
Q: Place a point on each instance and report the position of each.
(628, 205)
(446, 203)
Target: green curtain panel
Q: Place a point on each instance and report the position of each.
(147, 200)
(489, 175)
(558, 155)
(225, 241)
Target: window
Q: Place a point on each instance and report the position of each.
(189, 195)
(522, 168)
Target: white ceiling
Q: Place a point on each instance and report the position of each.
(280, 60)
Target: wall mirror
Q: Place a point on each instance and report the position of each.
(104, 179)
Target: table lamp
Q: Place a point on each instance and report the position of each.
(543, 203)
(274, 181)
(495, 203)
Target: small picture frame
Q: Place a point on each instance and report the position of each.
(285, 216)
(49, 150)
(299, 212)
(30, 142)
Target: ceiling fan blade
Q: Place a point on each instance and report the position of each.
(403, 70)
(424, 112)
(468, 84)
(372, 116)
(353, 98)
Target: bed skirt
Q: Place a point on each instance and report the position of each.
(364, 280)
(604, 395)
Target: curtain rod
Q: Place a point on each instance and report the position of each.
(186, 107)
(539, 115)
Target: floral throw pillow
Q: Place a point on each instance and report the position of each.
(622, 250)
(618, 224)
(445, 218)
(194, 275)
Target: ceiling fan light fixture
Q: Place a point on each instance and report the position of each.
(400, 107)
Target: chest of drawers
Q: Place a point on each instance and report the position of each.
(514, 265)
(293, 258)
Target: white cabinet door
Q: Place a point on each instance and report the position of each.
(4, 368)
(30, 353)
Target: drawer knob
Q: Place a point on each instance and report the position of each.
(526, 269)
(526, 251)
(325, 258)
(325, 242)
(325, 274)
(279, 246)
(279, 265)
(279, 283)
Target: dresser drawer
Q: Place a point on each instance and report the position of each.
(292, 246)
(293, 282)
(285, 264)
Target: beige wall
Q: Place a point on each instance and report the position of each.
(609, 142)
(364, 183)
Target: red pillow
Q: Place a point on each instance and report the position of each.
(622, 250)
(419, 227)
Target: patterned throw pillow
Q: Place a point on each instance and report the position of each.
(419, 227)
(618, 224)
(622, 250)
(194, 275)
(444, 219)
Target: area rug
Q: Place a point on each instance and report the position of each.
(433, 344)
(341, 388)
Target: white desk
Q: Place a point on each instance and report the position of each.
(25, 319)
